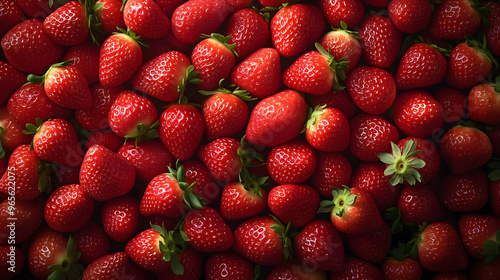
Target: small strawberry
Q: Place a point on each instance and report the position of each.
(277, 119)
(292, 162)
(113, 265)
(110, 15)
(341, 42)
(92, 242)
(464, 192)
(145, 18)
(356, 267)
(69, 24)
(295, 27)
(453, 102)
(244, 198)
(259, 74)
(420, 204)
(484, 102)
(400, 266)
(29, 217)
(327, 129)
(223, 265)
(10, 15)
(85, 57)
(11, 133)
(410, 16)
(222, 158)
(120, 217)
(105, 175)
(351, 12)
(370, 246)
(480, 235)
(296, 204)
(249, 30)
(10, 80)
(68, 208)
(333, 170)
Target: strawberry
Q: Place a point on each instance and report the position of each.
(68, 208)
(453, 102)
(341, 42)
(356, 267)
(249, 30)
(96, 118)
(206, 187)
(454, 275)
(454, 19)
(113, 265)
(10, 80)
(12, 261)
(181, 130)
(465, 192)
(277, 119)
(68, 25)
(52, 255)
(491, 32)
(196, 17)
(110, 15)
(28, 47)
(206, 231)
(37, 8)
(106, 138)
(380, 41)
(92, 242)
(333, 170)
(259, 74)
(440, 248)
(296, 204)
(410, 16)
(165, 83)
(168, 6)
(120, 217)
(494, 136)
(319, 246)
(327, 129)
(371, 135)
(373, 89)
(479, 233)
(292, 162)
(222, 158)
(86, 58)
(192, 262)
(11, 133)
(10, 15)
(30, 102)
(223, 265)
(352, 211)
(315, 72)
(351, 12)
(484, 270)
(370, 246)
(484, 102)
(269, 247)
(495, 196)
(119, 58)
(29, 217)
(470, 63)
(420, 204)
(294, 28)
(335, 99)
(214, 58)
(401, 269)
(243, 199)
(464, 149)
(421, 65)
(105, 175)
(293, 269)
(145, 18)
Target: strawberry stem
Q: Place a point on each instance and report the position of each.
(67, 268)
(282, 232)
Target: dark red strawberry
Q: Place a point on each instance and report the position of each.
(370, 246)
(110, 15)
(223, 265)
(484, 270)
(351, 12)
(479, 233)
(410, 16)
(341, 42)
(192, 263)
(68, 25)
(484, 102)
(333, 170)
(491, 32)
(453, 102)
(11, 133)
(335, 99)
(249, 30)
(293, 269)
(296, 204)
(420, 204)
(292, 162)
(28, 217)
(168, 6)
(120, 217)
(37, 8)
(145, 18)
(10, 15)
(92, 242)
(465, 192)
(86, 58)
(106, 138)
(113, 265)
(11, 260)
(10, 80)
(400, 266)
(355, 267)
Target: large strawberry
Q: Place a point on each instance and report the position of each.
(92, 242)
(69, 24)
(120, 217)
(296, 204)
(294, 28)
(223, 265)
(333, 170)
(351, 12)
(28, 217)
(410, 16)
(341, 42)
(145, 18)
(112, 265)
(249, 30)
(479, 233)
(243, 199)
(484, 102)
(420, 204)
(464, 192)
(277, 119)
(222, 157)
(327, 129)
(300, 163)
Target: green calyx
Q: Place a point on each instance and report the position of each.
(480, 44)
(44, 180)
(240, 93)
(130, 33)
(171, 245)
(342, 199)
(415, 241)
(222, 39)
(403, 165)
(68, 267)
(483, 10)
(34, 79)
(252, 183)
(337, 67)
(192, 200)
(445, 52)
(492, 248)
(344, 28)
(494, 174)
(401, 252)
(286, 241)
(191, 77)
(144, 132)
(94, 25)
(32, 129)
(312, 115)
(3, 152)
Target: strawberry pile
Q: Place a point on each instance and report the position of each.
(240, 139)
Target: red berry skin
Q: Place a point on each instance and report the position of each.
(483, 270)
(296, 204)
(238, 203)
(453, 19)
(10, 15)
(342, 44)
(467, 67)
(207, 231)
(10, 256)
(466, 192)
(453, 102)
(113, 265)
(406, 269)
(47, 247)
(492, 32)
(335, 99)
(164, 197)
(206, 187)
(292, 163)
(105, 138)
(228, 265)
(484, 104)
(191, 260)
(12, 132)
(495, 197)
(372, 89)
(334, 170)
(10, 80)
(371, 135)
(410, 16)
(356, 267)
(110, 15)
(120, 217)
(475, 229)
(68, 87)
(144, 250)
(420, 204)
(85, 57)
(146, 19)
(92, 242)
(225, 114)
(29, 216)
(293, 269)
(417, 113)
(68, 25)
(248, 30)
(371, 246)
(96, 118)
(351, 12)
(221, 158)
(330, 132)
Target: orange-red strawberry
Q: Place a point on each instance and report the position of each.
(296, 204)
(68, 25)
(484, 102)
(28, 215)
(223, 265)
(295, 27)
(464, 192)
(249, 30)
(327, 129)
(333, 170)
(410, 16)
(145, 18)
(292, 162)
(10, 80)
(341, 42)
(120, 217)
(479, 233)
(109, 266)
(351, 12)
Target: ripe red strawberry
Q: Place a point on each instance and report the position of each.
(270, 247)
(96, 118)
(420, 204)
(37, 8)
(484, 270)
(10, 80)
(243, 199)
(145, 18)
(296, 204)
(373, 89)
(110, 15)
(440, 248)
(465, 148)
(352, 211)
(105, 175)
(327, 129)
(181, 130)
(333, 170)
(470, 63)
(206, 231)
(335, 99)
(370, 246)
(351, 12)
(410, 16)
(319, 246)
(30, 102)
(293, 269)
(294, 28)
(120, 217)
(165, 83)
(29, 217)
(249, 30)
(315, 72)
(28, 47)
(168, 6)
(11, 135)
(421, 65)
(277, 119)
(453, 102)
(119, 58)
(491, 32)
(221, 157)
(205, 186)
(68, 25)
(292, 162)
(454, 19)
(355, 267)
(465, 192)
(106, 138)
(259, 74)
(484, 102)
(92, 242)
(113, 265)
(371, 135)
(86, 58)
(223, 265)
(380, 41)
(341, 42)
(192, 263)
(50, 253)
(12, 261)
(196, 17)
(479, 235)
(68, 208)
(214, 58)
(10, 15)
(401, 269)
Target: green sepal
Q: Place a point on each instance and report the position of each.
(393, 214)
(171, 245)
(240, 93)
(256, 272)
(344, 28)
(492, 248)
(482, 10)
(402, 165)
(3, 152)
(415, 240)
(191, 200)
(45, 180)
(68, 266)
(342, 198)
(401, 252)
(494, 174)
(252, 183)
(337, 67)
(144, 132)
(312, 115)
(190, 77)
(94, 25)
(132, 35)
(223, 39)
(286, 241)
(480, 45)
